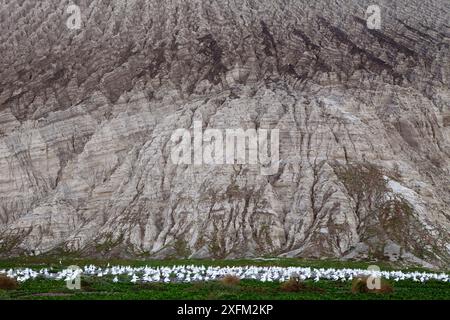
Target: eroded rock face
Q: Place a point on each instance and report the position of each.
(86, 118)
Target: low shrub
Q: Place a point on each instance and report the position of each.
(230, 280)
(293, 285)
(7, 283)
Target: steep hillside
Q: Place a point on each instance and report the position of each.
(86, 118)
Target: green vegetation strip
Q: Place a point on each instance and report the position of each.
(105, 288)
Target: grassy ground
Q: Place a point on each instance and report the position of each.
(104, 288)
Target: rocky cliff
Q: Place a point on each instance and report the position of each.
(87, 114)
